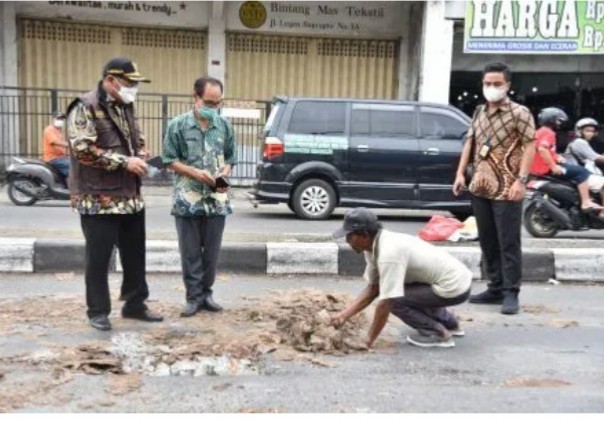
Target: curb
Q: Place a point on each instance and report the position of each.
(28, 255)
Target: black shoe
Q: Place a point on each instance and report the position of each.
(143, 315)
(210, 305)
(487, 297)
(191, 309)
(100, 322)
(510, 304)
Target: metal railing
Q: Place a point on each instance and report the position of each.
(25, 112)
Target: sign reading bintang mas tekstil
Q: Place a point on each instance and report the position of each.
(534, 27)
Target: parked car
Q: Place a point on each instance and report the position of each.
(319, 154)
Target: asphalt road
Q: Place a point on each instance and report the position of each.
(54, 219)
(549, 358)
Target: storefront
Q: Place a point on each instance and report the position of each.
(65, 44)
(573, 81)
(341, 49)
(259, 48)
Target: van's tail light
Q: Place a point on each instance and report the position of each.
(273, 147)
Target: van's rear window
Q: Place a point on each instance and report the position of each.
(271, 117)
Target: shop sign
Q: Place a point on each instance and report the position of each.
(319, 18)
(164, 13)
(534, 27)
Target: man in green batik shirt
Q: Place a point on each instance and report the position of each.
(199, 147)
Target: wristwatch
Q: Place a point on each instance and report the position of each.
(523, 179)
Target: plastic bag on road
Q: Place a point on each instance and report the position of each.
(440, 228)
(468, 232)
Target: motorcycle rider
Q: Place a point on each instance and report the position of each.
(547, 162)
(580, 152)
(55, 147)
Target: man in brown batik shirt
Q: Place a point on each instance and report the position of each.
(503, 133)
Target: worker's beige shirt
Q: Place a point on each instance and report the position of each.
(398, 259)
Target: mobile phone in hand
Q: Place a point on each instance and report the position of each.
(222, 182)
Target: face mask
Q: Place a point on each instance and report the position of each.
(59, 123)
(207, 113)
(493, 94)
(128, 95)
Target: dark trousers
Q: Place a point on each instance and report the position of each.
(102, 233)
(425, 311)
(499, 225)
(199, 241)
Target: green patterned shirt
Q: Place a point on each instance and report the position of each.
(208, 150)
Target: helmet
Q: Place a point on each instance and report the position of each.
(583, 123)
(552, 117)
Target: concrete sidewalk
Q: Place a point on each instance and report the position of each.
(29, 255)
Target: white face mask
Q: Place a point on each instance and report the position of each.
(493, 94)
(128, 95)
(59, 123)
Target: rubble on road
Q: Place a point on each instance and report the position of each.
(302, 320)
(292, 325)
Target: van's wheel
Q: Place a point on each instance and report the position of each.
(19, 198)
(537, 223)
(314, 199)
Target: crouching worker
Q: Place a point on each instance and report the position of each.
(411, 279)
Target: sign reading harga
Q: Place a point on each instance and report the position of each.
(534, 27)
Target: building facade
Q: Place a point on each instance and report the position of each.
(573, 82)
(260, 49)
(410, 50)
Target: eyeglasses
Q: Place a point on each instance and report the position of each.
(211, 104)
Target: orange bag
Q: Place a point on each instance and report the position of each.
(439, 228)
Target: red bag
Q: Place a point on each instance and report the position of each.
(439, 228)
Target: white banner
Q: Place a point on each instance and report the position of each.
(182, 14)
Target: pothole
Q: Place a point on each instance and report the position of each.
(290, 325)
(137, 356)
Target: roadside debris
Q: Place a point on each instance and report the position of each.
(564, 323)
(122, 385)
(528, 382)
(539, 309)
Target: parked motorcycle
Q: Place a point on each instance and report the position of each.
(31, 180)
(553, 205)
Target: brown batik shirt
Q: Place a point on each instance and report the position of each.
(509, 126)
(82, 135)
